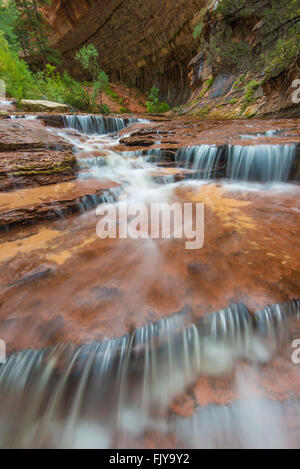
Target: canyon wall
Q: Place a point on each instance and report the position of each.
(142, 43)
(146, 43)
(248, 63)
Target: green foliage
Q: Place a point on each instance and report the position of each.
(277, 37)
(206, 86)
(32, 30)
(250, 89)
(88, 56)
(8, 17)
(62, 88)
(21, 83)
(203, 111)
(197, 31)
(154, 106)
(124, 110)
(239, 82)
(105, 109)
(102, 82)
(114, 96)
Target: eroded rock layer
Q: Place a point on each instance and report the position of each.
(143, 43)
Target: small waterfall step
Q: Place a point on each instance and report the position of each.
(90, 124)
(106, 379)
(257, 163)
(262, 163)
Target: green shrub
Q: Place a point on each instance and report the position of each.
(104, 109)
(21, 83)
(114, 96)
(88, 56)
(62, 88)
(197, 31)
(250, 89)
(154, 106)
(124, 110)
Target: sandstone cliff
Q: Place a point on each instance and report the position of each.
(143, 43)
(248, 60)
(152, 43)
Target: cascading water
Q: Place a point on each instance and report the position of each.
(201, 159)
(89, 396)
(247, 424)
(120, 385)
(89, 125)
(260, 163)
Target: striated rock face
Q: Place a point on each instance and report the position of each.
(142, 43)
(222, 90)
(31, 156)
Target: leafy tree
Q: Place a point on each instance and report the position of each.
(49, 84)
(154, 105)
(88, 56)
(8, 18)
(32, 31)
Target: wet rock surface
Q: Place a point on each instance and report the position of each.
(61, 284)
(182, 132)
(21, 134)
(157, 42)
(27, 206)
(246, 257)
(35, 167)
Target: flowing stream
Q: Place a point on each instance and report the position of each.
(114, 391)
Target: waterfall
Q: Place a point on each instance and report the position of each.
(201, 159)
(90, 124)
(260, 163)
(268, 134)
(51, 397)
(250, 423)
(154, 156)
(4, 102)
(87, 163)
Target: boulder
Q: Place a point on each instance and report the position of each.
(42, 106)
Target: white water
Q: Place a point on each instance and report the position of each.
(90, 125)
(4, 102)
(118, 386)
(91, 396)
(25, 117)
(258, 163)
(263, 163)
